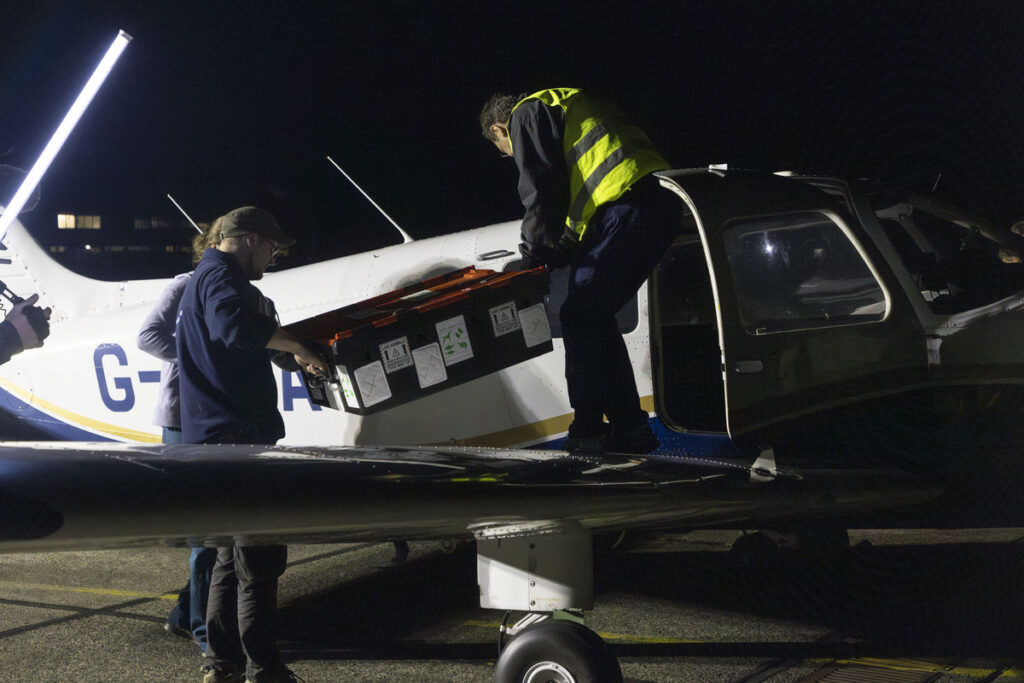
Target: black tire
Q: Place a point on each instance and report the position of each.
(559, 651)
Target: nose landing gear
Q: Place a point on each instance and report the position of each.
(556, 651)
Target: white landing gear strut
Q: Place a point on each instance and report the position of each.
(547, 570)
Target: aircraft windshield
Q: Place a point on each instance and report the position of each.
(799, 271)
(956, 267)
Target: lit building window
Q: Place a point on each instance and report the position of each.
(69, 221)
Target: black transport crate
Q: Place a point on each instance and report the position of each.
(436, 334)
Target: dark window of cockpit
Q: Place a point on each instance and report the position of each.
(799, 271)
(955, 265)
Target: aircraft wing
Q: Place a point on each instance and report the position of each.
(58, 496)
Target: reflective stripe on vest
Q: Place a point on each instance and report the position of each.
(605, 160)
(593, 181)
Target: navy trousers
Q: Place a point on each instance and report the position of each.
(623, 243)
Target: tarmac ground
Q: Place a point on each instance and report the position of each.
(900, 606)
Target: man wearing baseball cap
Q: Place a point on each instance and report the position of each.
(226, 335)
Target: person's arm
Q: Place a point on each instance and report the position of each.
(25, 327)
(536, 131)
(282, 340)
(233, 316)
(10, 343)
(281, 359)
(156, 336)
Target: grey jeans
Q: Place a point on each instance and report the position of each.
(241, 613)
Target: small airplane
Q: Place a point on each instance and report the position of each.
(814, 354)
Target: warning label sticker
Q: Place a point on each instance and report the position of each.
(429, 365)
(453, 337)
(534, 320)
(348, 392)
(396, 354)
(504, 319)
(373, 384)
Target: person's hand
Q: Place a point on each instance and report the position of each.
(312, 363)
(30, 322)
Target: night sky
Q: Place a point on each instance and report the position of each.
(229, 103)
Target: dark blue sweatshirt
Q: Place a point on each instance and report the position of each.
(228, 393)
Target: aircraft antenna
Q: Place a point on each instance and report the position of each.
(405, 236)
(28, 185)
(183, 213)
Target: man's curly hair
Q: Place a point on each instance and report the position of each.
(498, 109)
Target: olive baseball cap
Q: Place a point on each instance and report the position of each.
(248, 219)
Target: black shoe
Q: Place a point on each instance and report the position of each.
(637, 440)
(177, 630)
(213, 675)
(583, 445)
(585, 439)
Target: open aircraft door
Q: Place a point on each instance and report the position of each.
(812, 325)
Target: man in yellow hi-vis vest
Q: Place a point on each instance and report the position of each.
(592, 203)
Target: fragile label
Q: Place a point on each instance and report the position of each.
(396, 354)
(536, 329)
(372, 383)
(453, 337)
(429, 365)
(504, 318)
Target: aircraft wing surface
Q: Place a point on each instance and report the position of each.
(59, 496)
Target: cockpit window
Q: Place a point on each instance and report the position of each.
(955, 265)
(799, 271)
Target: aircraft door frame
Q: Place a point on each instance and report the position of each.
(798, 363)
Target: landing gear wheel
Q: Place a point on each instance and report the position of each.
(557, 651)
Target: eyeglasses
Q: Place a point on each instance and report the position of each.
(274, 249)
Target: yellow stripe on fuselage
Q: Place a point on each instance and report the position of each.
(79, 420)
(533, 432)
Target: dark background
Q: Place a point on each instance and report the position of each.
(229, 103)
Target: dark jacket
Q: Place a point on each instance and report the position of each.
(574, 153)
(536, 131)
(228, 393)
(10, 342)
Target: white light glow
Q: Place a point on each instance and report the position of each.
(14, 207)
